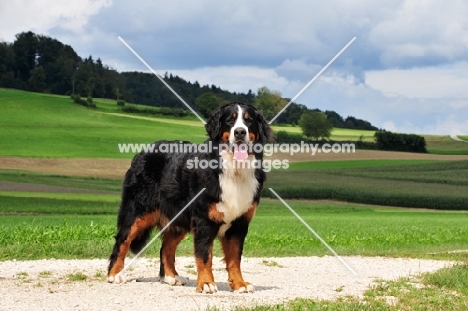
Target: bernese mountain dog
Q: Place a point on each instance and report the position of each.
(159, 185)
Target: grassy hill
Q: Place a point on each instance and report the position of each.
(43, 125)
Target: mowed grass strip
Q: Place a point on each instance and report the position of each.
(353, 163)
(57, 203)
(66, 181)
(349, 228)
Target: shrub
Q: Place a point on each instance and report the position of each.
(163, 111)
(90, 102)
(283, 137)
(78, 100)
(400, 142)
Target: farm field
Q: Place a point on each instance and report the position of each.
(61, 172)
(438, 185)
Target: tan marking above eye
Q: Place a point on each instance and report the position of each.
(234, 115)
(246, 116)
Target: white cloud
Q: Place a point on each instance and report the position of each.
(421, 32)
(234, 78)
(42, 15)
(389, 126)
(448, 81)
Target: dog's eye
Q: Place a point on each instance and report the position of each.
(230, 120)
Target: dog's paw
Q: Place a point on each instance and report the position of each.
(177, 280)
(243, 287)
(119, 278)
(207, 288)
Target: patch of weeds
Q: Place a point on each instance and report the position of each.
(271, 263)
(45, 274)
(339, 289)
(454, 278)
(100, 275)
(78, 276)
(22, 275)
(446, 289)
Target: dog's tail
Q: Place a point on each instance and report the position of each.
(137, 244)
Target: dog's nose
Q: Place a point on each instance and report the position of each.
(239, 133)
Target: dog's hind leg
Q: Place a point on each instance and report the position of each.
(167, 272)
(127, 233)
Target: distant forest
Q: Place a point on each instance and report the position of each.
(39, 63)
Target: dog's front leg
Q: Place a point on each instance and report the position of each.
(232, 244)
(204, 235)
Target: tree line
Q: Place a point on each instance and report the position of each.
(42, 64)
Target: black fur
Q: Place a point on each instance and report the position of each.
(162, 184)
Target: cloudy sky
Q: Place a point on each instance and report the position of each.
(406, 71)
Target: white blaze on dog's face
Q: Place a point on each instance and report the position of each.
(239, 136)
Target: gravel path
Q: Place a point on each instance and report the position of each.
(47, 285)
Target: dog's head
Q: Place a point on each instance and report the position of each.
(238, 124)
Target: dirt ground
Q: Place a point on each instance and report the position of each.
(81, 284)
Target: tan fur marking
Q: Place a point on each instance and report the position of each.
(225, 137)
(140, 224)
(214, 214)
(205, 273)
(119, 263)
(170, 242)
(246, 116)
(252, 137)
(251, 212)
(231, 250)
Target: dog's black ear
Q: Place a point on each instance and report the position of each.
(264, 129)
(213, 124)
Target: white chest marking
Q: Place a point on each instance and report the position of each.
(238, 188)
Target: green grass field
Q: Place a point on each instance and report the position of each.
(41, 125)
(82, 226)
(445, 145)
(336, 134)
